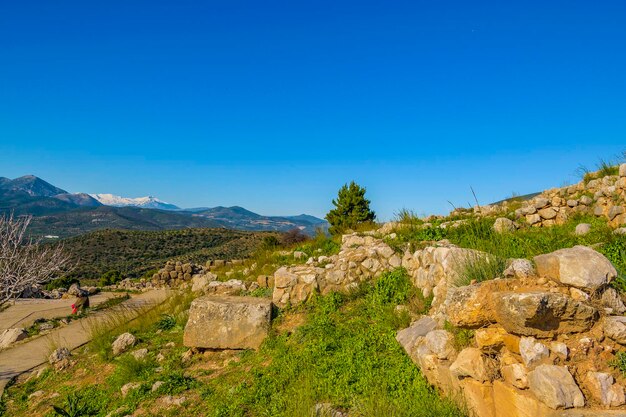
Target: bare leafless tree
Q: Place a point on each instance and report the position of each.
(25, 262)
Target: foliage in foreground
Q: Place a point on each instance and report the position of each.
(344, 354)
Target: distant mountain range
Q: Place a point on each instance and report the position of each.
(59, 213)
(143, 202)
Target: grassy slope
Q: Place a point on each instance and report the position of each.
(344, 352)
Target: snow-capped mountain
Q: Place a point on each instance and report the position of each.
(142, 202)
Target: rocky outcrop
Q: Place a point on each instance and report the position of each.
(226, 322)
(10, 336)
(580, 267)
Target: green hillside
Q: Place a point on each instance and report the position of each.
(135, 252)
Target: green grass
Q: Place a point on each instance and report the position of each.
(344, 354)
(619, 362)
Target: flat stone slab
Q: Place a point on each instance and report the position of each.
(228, 322)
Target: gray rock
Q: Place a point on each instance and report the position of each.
(541, 202)
(504, 225)
(515, 374)
(611, 299)
(225, 322)
(582, 229)
(140, 354)
(560, 349)
(440, 342)
(602, 388)
(542, 314)
(520, 268)
(200, 283)
(555, 387)
(533, 219)
(472, 363)
(547, 213)
(408, 337)
(615, 328)
(122, 343)
(532, 351)
(586, 200)
(156, 386)
(127, 388)
(572, 203)
(10, 336)
(580, 267)
(615, 211)
(620, 231)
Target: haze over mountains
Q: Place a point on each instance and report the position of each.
(59, 213)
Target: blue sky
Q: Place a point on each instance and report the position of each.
(274, 105)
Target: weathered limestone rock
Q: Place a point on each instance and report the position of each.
(580, 267)
(504, 225)
(60, 358)
(610, 299)
(532, 351)
(440, 342)
(408, 337)
(559, 349)
(541, 202)
(472, 305)
(122, 343)
(615, 211)
(515, 374)
(225, 322)
(472, 363)
(622, 170)
(602, 388)
(582, 229)
(265, 281)
(490, 338)
(615, 328)
(533, 219)
(478, 398)
(140, 354)
(555, 387)
(547, 213)
(542, 314)
(230, 287)
(10, 336)
(520, 268)
(200, 283)
(586, 200)
(512, 402)
(127, 388)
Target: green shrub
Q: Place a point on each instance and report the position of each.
(63, 282)
(392, 287)
(75, 405)
(110, 278)
(462, 337)
(619, 362)
(166, 322)
(351, 209)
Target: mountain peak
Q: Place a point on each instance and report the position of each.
(32, 185)
(141, 202)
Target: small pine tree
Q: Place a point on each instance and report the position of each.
(351, 209)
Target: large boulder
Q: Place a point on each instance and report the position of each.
(420, 328)
(472, 363)
(555, 387)
(542, 314)
(123, 343)
(580, 267)
(10, 336)
(225, 322)
(471, 305)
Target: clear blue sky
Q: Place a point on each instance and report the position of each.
(274, 105)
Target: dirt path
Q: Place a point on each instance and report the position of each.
(26, 356)
(25, 311)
